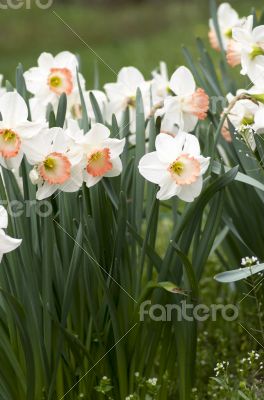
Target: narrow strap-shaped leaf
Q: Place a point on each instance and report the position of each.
(96, 109)
(239, 274)
(85, 124)
(61, 113)
(21, 87)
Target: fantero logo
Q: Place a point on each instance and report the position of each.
(27, 4)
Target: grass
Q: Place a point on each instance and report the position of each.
(139, 36)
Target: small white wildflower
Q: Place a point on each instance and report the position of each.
(249, 261)
(152, 381)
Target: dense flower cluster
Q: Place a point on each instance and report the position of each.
(244, 46)
(65, 158)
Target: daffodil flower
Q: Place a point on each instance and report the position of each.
(122, 94)
(7, 243)
(242, 114)
(187, 106)
(57, 164)
(227, 19)
(75, 108)
(101, 154)
(15, 129)
(176, 166)
(251, 41)
(160, 84)
(53, 76)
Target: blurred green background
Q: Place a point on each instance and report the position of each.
(138, 33)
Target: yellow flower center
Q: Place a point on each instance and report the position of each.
(49, 163)
(9, 136)
(248, 120)
(256, 51)
(132, 101)
(55, 81)
(228, 33)
(177, 167)
(96, 156)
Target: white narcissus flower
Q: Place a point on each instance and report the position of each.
(101, 154)
(7, 243)
(187, 107)
(75, 108)
(160, 83)
(122, 94)
(251, 41)
(176, 166)
(53, 77)
(241, 115)
(57, 164)
(227, 18)
(15, 130)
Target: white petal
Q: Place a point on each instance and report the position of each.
(227, 15)
(189, 122)
(168, 189)
(8, 243)
(116, 146)
(96, 135)
(117, 168)
(46, 190)
(242, 36)
(259, 120)
(60, 140)
(258, 34)
(204, 163)
(38, 147)
(189, 192)
(75, 182)
(151, 168)
(255, 71)
(182, 82)
(46, 61)
(38, 110)
(36, 80)
(191, 145)
(65, 59)
(168, 147)
(90, 180)
(3, 218)
(13, 162)
(116, 91)
(131, 77)
(13, 109)
(27, 129)
(173, 114)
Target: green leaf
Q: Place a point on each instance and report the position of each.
(96, 109)
(19, 316)
(238, 274)
(85, 124)
(240, 177)
(139, 181)
(21, 87)
(62, 108)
